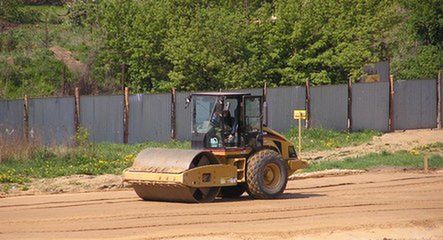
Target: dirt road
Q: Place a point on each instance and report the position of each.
(373, 205)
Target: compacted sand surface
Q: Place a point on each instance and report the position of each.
(372, 205)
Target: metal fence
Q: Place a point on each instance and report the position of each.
(102, 117)
(158, 117)
(281, 103)
(11, 118)
(415, 104)
(149, 117)
(329, 107)
(51, 120)
(370, 106)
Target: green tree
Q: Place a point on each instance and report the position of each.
(417, 42)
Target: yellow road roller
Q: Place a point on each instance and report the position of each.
(232, 153)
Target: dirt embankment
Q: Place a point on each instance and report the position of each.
(375, 205)
(389, 142)
(66, 57)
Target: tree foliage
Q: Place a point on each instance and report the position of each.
(156, 45)
(14, 11)
(418, 41)
(232, 44)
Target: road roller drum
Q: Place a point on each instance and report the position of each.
(178, 175)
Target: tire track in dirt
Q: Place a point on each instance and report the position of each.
(368, 187)
(386, 192)
(288, 234)
(131, 216)
(61, 202)
(368, 182)
(137, 216)
(132, 199)
(372, 200)
(236, 212)
(231, 221)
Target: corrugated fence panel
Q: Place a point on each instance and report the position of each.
(51, 120)
(149, 117)
(370, 106)
(183, 117)
(102, 116)
(11, 118)
(282, 102)
(252, 91)
(415, 104)
(329, 107)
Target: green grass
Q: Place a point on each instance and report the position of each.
(317, 139)
(42, 9)
(107, 158)
(27, 14)
(94, 159)
(405, 159)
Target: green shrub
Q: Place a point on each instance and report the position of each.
(15, 12)
(82, 136)
(82, 12)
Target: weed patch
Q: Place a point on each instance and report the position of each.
(93, 159)
(398, 159)
(323, 139)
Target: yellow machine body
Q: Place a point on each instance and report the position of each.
(201, 173)
(166, 170)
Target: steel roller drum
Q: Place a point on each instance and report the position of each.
(155, 160)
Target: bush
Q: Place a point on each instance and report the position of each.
(35, 73)
(82, 12)
(15, 12)
(423, 63)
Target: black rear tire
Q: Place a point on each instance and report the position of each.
(267, 174)
(232, 191)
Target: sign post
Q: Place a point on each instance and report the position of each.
(299, 115)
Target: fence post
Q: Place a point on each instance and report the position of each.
(26, 118)
(265, 103)
(391, 103)
(439, 100)
(349, 104)
(126, 117)
(77, 111)
(308, 104)
(173, 112)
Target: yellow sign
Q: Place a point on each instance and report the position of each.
(299, 114)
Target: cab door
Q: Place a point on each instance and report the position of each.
(252, 121)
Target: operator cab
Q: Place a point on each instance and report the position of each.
(226, 120)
